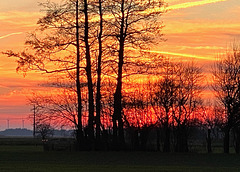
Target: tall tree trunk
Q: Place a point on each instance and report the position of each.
(79, 98)
(99, 71)
(166, 147)
(89, 76)
(158, 139)
(236, 133)
(144, 133)
(209, 141)
(226, 140)
(182, 139)
(117, 115)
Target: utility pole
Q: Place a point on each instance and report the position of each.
(22, 123)
(34, 121)
(8, 123)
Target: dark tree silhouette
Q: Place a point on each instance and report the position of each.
(99, 73)
(188, 89)
(65, 43)
(210, 120)
(165, 97)
(226, 76)
(79, 131)
(55, 47)
(45, 130)
(88, 69)
(133, 24)
(59, 109)
(137, 115)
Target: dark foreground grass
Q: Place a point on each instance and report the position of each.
(33, 159)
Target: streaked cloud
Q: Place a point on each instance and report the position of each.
(11, 34)
(15, 15)
(185, 5)
(184, 55)
(193, 4)
(201, 26)
(201, 57)
(18, 21)
(202, 47)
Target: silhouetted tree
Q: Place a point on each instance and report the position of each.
(188, 89)
(137, 115)
(88, 69)
(133, 24)
(79, 132)
(55, 46)
(211, 120)
(165, 98)
(72, 33)
(59, 109)
(226, 76)
(99, 72)
(45, 130)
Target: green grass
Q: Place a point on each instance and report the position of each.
(33, 159)
(20, 141)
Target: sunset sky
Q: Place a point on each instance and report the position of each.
(198, 29)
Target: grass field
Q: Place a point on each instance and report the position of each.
(27, 158)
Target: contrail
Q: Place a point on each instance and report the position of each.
(193, 4)
(5, 36)
(184, 5)
(177, 54)
(185, 55)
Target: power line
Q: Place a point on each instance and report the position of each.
(34, 121)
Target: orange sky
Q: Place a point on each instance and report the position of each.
(196, 29)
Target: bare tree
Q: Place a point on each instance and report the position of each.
(59, 109)
(226, 76)
(165, 98)
(99, 72)
(133, 24)
(211, 120)
(45, 130)
(175, 100)
(88, 69)
(188, 89)
(66, 40)
(137, 115)
(79, 96)
(55, 47)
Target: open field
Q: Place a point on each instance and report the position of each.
(27, 158)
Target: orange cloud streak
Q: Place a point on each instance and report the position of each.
(181, 55)
(184, 55)
(193, 4)
(5, 36)
(185, 5)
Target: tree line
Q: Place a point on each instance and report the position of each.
(94, 51)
